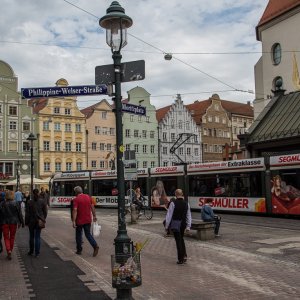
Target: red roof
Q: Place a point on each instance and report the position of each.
(160, 113)
(88, 111)
(38, 104)
(274, 9)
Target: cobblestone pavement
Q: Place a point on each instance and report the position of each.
(255, 258)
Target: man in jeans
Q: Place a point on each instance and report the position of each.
(83, 208)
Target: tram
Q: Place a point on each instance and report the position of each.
(269, 185)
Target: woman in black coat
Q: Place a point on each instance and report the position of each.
(36, 209)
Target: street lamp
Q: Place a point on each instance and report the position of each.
(116, 23)
(18, 174)
(31, 138)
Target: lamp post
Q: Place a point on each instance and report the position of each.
(18, 174)
(31, 138)
(116, 23)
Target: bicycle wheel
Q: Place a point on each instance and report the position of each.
(148, 212)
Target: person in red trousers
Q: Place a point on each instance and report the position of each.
(11, 219)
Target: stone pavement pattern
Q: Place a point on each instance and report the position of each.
(252, 260)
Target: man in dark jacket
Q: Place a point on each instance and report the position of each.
(179, 219)
(207, 215)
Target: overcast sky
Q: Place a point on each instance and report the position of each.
(46, 40)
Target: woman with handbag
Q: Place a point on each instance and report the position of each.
(178, 220)
(35, 219)
(11, 219)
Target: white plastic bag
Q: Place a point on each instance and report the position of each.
(96, 229)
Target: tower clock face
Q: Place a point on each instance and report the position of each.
(24, 167)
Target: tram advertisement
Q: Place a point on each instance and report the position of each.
(243, 204)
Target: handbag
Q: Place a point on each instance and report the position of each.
(41, 223)
(175, 225)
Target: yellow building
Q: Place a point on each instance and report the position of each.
(61, 134)
(101, 135)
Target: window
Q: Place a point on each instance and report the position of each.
(276, 54)
(112, 131)
(93, 164)
(147, 119)
(152, 148)
(216, 106)
(46, 145)
(102, 145)
(26, 126)
(187, 125)
(57, 166)
(108, 147)
(172, 124)
(78, 147)
(196, 139)
(196, 151)
(127, 147)
(68, 147)
(12, 125)
(136, 148)
(165, 150)
(26, 146)
(181, 151)
(127, 132)
(188, 151)
(13, 146)
(131, 118)
(94, 146)
(217, 119)
(209, 132)
(78, 127)
(67, 111)
(145, 164)
(224, 121)
(68, 127)
(102, 164)
(204, 131)
(136, 133)
(79, 166)
(152, 134)
(164, 136)
(140, 119)
(144, 148)
(46, 166)
(152, 164)
(173, 137)
(165, 163)
(68, 166)
(12, 111)
(209, 118)
(56, 110)
(46, 126)
(144, 134)
(104, 130)
(104, 115)
(97, 130)
(0, 108)
(57, 126)
(180, 124)
(216, 148)
(57, 146)
(205, 148)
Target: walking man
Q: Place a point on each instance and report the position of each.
(83, 209)
(179, 219)
(18, 197)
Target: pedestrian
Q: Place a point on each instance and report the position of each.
(35, 210)
(11, 219)
(83, 209)
(2, 199)
(179, 220)
(18, 196)
(26, 197)
(207, 215)
(47, 197)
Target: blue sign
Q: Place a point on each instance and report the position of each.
(134, 109)
(64, 91)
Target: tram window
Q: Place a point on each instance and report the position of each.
(103, 187)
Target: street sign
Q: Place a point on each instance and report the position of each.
(130, 71)
(134, 109)
(64, 91)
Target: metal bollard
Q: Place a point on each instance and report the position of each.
(133, 214)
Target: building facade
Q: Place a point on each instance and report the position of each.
(61, 134)
(16, 123)
(221, 121)
(278, 33)
(140, 133)
(178, 135)
(101, 136)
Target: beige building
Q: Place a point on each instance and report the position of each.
(101, 136)
(278, 32)
(61, 134)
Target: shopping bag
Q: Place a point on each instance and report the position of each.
(175, 225)
(96, 229)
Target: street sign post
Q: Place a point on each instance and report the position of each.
(130, 169)
(130, 71)
(64, 91)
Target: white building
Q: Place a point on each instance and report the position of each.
(178, 131)
(278, 31)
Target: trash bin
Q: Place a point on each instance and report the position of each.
(126, 271)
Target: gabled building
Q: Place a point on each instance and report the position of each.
(61, 134)
(16, 123)
(140, 132)
(178, 135)
(101, 136)
(220, 121)
(278, 32)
